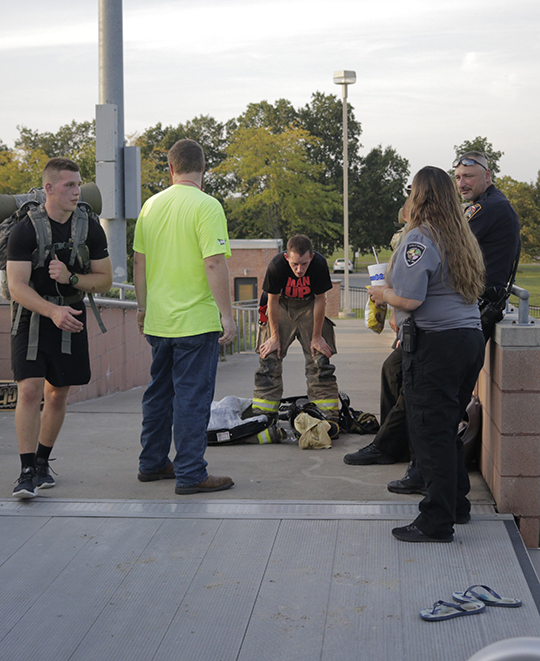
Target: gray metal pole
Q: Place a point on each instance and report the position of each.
(346, 300)
(111, 91)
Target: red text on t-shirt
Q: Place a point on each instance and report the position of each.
(298, 288)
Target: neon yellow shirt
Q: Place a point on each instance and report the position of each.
(176, 230)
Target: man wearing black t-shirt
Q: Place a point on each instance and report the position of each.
(47, 291)
(296, 283)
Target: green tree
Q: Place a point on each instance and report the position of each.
(276, 118)
(377, 194)
(376, 182)
(482, 145)
(323, 118)
(277, 191)
(156, 141)
(20, 170)
(76, 141)
(525, 198)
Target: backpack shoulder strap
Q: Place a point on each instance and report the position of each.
(40, 220)
(79, 232)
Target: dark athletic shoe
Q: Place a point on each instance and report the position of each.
(411, 533)
(367, 456)
(166, 474)
(26, 484)
(210, 484)
(44, 479)
(406, 486)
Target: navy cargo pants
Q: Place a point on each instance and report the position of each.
(438, 380)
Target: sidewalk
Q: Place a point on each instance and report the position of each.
(96, 455)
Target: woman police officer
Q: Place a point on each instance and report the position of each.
(435, 278)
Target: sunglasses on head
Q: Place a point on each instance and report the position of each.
(467, 161)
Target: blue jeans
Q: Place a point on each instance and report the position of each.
(177, 402)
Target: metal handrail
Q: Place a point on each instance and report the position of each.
(123, 287)
(523, 308)
(359, 295)
(246, 316)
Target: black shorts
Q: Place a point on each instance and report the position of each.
(60, 369)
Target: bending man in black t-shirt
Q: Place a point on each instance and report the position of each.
(296, 283)
(47, 291)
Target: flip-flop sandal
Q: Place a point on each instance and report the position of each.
(485, 595)
(444, 610)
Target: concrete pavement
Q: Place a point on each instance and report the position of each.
(96, 453)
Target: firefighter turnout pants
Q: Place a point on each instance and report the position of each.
(296, 322)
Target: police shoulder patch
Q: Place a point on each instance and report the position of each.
(472, 210)
(414, 253)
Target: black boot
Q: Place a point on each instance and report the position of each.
(411, 482)
(367, 456)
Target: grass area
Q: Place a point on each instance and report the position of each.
(115, 293)
(361, 263)
(528, 275)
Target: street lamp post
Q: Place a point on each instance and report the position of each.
(345, 78)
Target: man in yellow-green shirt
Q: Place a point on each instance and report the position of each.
(184, 304)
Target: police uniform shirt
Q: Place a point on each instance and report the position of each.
(280, 278)
(496, 226)
(416, 273)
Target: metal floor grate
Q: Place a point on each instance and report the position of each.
(227, 509)
(237, 581)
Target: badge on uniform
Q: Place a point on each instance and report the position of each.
(414, 253)
(472, 210)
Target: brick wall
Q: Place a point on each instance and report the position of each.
(509, 389)
(250, 259)
(333, 300)
(120, 359)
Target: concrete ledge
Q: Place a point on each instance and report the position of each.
(509, 334)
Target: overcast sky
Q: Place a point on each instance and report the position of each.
(430, 73)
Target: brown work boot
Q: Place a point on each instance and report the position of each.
(211, 483)
(166, 474)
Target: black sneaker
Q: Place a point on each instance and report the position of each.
(26, 484)
(411, 533)
(44, 479)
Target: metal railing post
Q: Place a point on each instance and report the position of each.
(523, 309)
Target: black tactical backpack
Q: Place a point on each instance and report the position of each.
(32, 205)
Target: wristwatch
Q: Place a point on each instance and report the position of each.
(73, 279)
